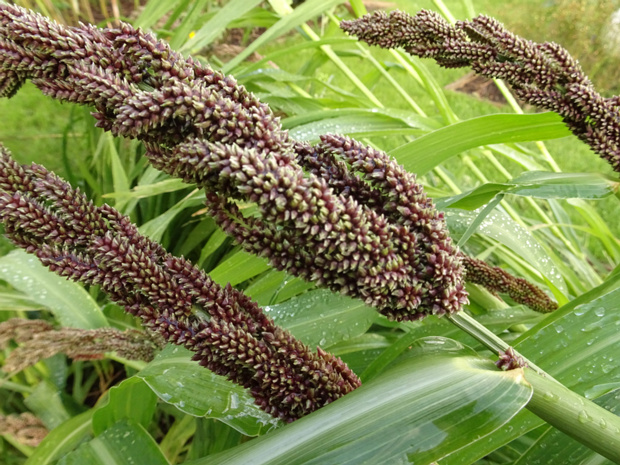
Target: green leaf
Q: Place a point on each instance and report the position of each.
(123, 443)
(132, 400)
(179, 381)
(359, 9)
(482, 215)
(417, 412)
(149, 190)
(581, 419)
(156, 227)
(119, 177)
(238, 267)
(216, 25)
(212, 437)
(499, 226)
(578, 343)
(153, 12)
(322, 318)
(189, 21)
(45, 403)
(62, 439)
(68, 301)
(291, 50)
(14, 301)
(355, 121)
(430, 150)
(180, 433)
(214, 243)
(300, 15)
(538, 184)
(275, 287)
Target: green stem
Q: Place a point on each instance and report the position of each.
(574, 415)
(468, 324)
(579, 418)
(487, 338)
(5, 384)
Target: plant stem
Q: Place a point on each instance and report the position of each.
(569, 412)
(581, 419)
(487, 338)
(5, 384)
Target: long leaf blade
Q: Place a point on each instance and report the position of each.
(430, 150)
(216, 25)
(418, 412)
(299, 16)
(69, 302)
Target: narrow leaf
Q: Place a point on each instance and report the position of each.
(14, 301)
(430, 150)
(156, 227)
(183, 30)
(216, 25)
(300, 15)
(150, 190)
(119, 177)
(538, 184)
(153, 12)
(237, 268)
(358, 122)
(499, 226)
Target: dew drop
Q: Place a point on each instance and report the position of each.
(583, 417)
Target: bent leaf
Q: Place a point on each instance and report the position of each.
(418, 412)
(580, 329)
(130, 400)
(355, 121)
(179, 381)
(501, 227)
(68, 301)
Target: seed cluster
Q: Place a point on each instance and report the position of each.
(39, 340)
(338, 213)
(227, 331)
(544, 75)
(206, 129)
